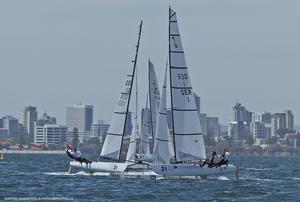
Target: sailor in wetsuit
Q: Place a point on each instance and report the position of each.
(210, 163)
(73, 154)
(224, 158)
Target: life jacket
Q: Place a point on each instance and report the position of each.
(68, 151)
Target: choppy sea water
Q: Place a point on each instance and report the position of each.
(34, 177)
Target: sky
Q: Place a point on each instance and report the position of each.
(54, 53)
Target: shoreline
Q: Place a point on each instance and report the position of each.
(32, 151)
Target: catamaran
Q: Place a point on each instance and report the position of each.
(111, 158)
(188, 144)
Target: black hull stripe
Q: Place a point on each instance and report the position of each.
(162, 113)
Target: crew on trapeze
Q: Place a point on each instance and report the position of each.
(224, 159)
(76, 155)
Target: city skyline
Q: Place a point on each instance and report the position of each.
(66, 53)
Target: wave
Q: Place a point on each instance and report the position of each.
(259, 169)
(259, 179)
(223, 178)
(78, 173)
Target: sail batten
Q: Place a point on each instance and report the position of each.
(187, 134)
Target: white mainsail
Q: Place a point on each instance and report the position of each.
(153, 97)
(161, 142)
(114, 136)
(112, 146)
(187, 133)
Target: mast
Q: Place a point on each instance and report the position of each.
(134, 71)
(173, 130)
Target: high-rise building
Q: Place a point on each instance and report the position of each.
(266, 117)
(45, 119)
(240, 114)
(100, 129)
(3, 133)
(81, 117)
(239, 127)
(209, 125)
(103, 130)
(281, 123)
(11, 124)
(289, 120)
(50, 134)
(261, 127)
(29, 117)
(95, 129)
(213, 127)
(1, 123)
(203, 123)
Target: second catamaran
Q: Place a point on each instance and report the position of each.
(188, 144)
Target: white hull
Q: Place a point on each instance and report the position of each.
(112, 167)
(147, 174)
(191, 170)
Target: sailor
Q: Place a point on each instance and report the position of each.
(210, 162)
(224, 158)
(73, 154)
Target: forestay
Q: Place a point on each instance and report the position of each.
(188, 139)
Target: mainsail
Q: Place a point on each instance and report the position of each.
(161, 145)
(187, 133)
(153, 97)
(112, 146)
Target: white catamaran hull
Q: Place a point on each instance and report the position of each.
(191, 170)
(112, 167)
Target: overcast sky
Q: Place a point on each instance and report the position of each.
(54, 52)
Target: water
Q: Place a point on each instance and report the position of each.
(262, 179)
